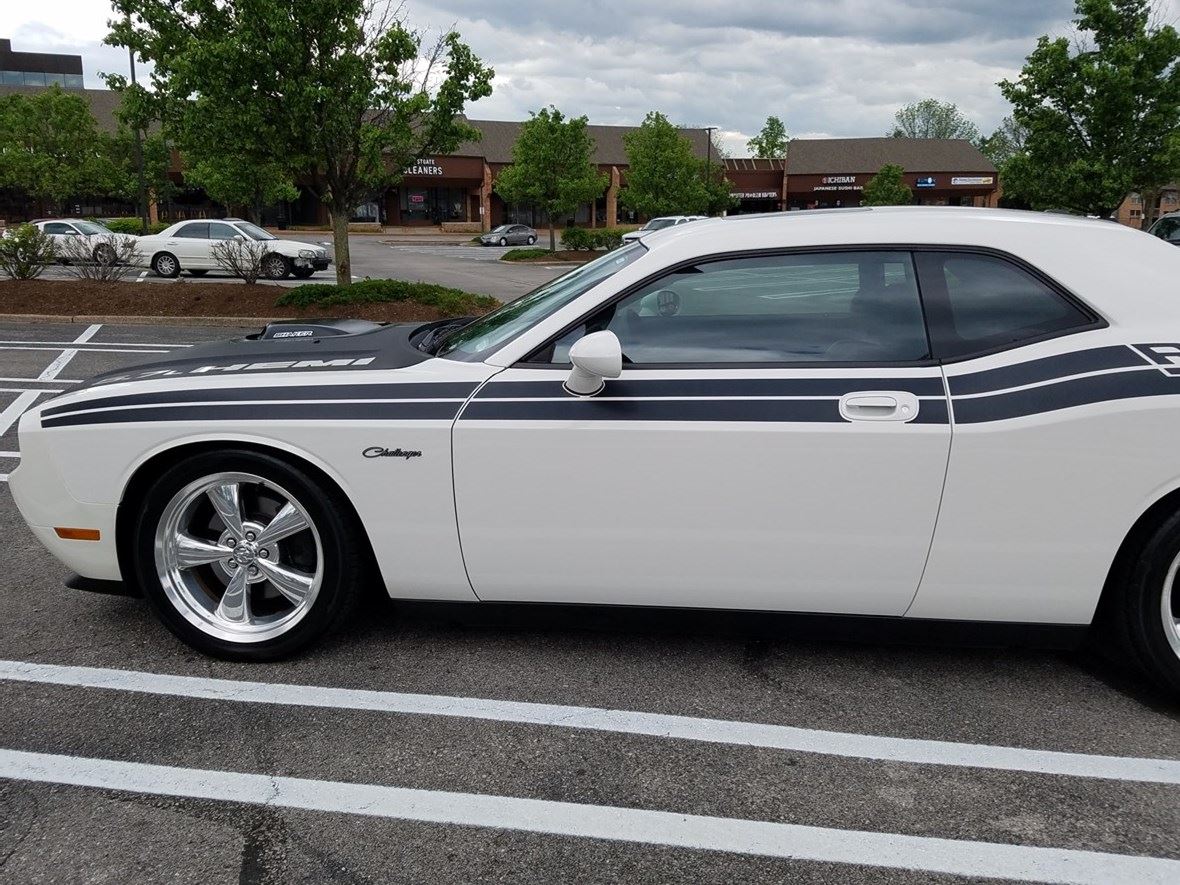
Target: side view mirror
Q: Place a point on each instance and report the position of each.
(596, 357)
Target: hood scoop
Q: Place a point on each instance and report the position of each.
(297, 330)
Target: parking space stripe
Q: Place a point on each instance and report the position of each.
(54, 368)
(16, 408)
(691, 728)
(632, 825)
(38, 381)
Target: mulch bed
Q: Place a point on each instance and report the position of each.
(185, 299)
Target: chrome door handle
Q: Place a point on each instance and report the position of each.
(879, 405)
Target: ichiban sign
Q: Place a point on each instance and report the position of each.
(838, 183)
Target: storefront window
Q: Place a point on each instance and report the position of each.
(432, 205)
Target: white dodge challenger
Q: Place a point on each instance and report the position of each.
(935, 414)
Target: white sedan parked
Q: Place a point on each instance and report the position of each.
(97, 237)
(188, 246)
(928, 414)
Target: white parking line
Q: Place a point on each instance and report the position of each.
(38, 381)
(9, 454)
(720, 731)
(16, 408)
(80, 350)
(54, 368)
(633, 825)
(99, 343)
(141, 277)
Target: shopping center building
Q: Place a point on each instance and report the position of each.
(457, 189)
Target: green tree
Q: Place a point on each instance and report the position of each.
(888, 188)
(50, 148)
(771, 143)
(1005, 142)
(664, 175)
(931, 118)
(552, 167)
(231, 182)
(157, 161)
(341, 95)
(1102, 112)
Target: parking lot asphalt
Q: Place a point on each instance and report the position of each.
(471, 268)
(777, 758)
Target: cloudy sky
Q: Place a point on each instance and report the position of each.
(827, 67)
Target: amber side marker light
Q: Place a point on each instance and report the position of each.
(77, 534)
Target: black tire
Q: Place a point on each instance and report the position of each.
(198, 273)
(1133, 615)
(303, 273)
(276, 267)
(171, 265)
(503, 241)
(341, 551)
(532, 240)
(104, 255)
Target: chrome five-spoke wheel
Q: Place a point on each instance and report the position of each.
(239, 557)
(244, 554)
(1170, 607)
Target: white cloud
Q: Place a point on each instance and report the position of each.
(827, 67)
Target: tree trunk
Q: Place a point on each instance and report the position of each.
(340, 246)
(552, 233)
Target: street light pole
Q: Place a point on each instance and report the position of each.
(709, 130)
(141, 206)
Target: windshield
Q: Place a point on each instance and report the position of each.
(91, 227)
(658, 223)
(478, 338)
(253, 231)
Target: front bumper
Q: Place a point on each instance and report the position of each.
(45, 502)
(313, 263)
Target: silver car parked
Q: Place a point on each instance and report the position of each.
(509, 235)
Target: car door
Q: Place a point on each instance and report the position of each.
(778, 440)
(58, 232)
(219, 231)
(190, 244)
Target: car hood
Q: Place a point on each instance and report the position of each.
(382, 347)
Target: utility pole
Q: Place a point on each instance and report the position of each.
(141, 205)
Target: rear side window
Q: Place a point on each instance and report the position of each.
(977, 303)
(196, 231)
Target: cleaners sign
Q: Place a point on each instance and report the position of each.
(424, 166)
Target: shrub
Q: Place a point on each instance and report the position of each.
(577, 238)
(240, 258)
(134, 226)
(525, 254)
(450, 302)
(25, 252)
(609, 238)
(101, 259)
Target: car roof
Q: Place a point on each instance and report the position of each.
(1111, 266)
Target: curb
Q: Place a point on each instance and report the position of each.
(137, 320)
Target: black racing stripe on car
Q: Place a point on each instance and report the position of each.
(1064, 395)
(932, 411)
(1098, 359)
(642, 388)
(807, 411)
(428, 390)
(256, 412)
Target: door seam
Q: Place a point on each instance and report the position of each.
(950, 447)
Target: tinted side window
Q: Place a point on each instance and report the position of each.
(977, 303)
(1168, 229)
(840, 307)
(58, 227)
(198, 230)
(219, 231)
